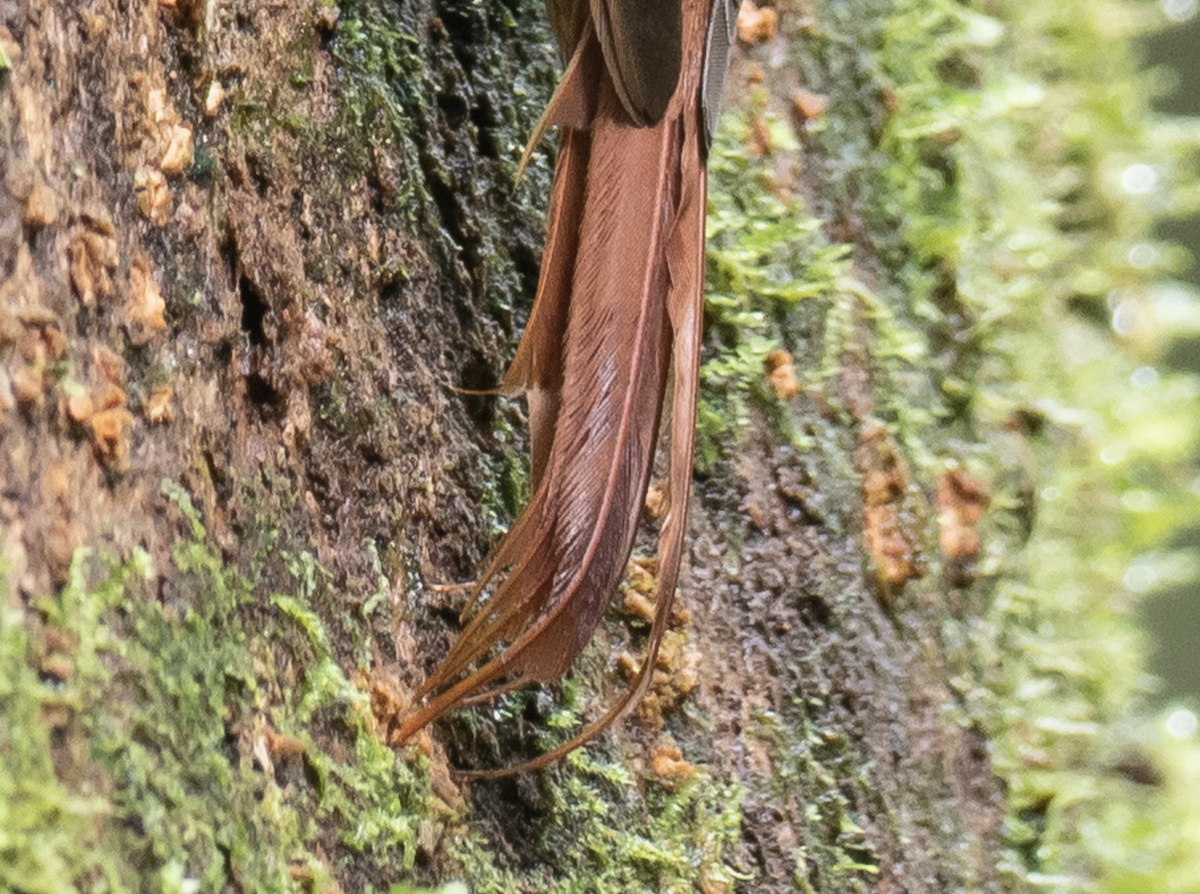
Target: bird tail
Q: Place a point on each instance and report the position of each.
(617, 317)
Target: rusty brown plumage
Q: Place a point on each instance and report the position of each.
(617, 318)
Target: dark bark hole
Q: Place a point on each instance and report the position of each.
(262, 392)
(260, 168)
(528, 267)
(371, 454)
(478, 375)
(381, 192)
(443, 197)
(254, 312)
(391, 291)
(483, 116)
(218, 474)
(455, 108)
(465, 28)
(814, 610)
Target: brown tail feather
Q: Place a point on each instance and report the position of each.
(617, 314)
(685, 258)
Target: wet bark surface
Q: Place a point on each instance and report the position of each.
(245, 249)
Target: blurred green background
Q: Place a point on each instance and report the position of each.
(1173, 618)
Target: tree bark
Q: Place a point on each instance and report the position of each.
(262, 263)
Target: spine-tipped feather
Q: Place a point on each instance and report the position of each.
(617, 314)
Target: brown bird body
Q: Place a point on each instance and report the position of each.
(617, 318)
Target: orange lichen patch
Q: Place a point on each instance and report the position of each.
(92, 258)
(667, 763)
(636, 605)
(214, 98)
(108, 396)
(756, 25)
(146, 305)
(641, 584)
(890, 531)
(170, 141)
(388, 705)
(808, 105)
(79, 408)
(656, 502)
(681, 662)
(627, 665)
(387, 701)
(42, 341)
(961, 501)
(41, 207)
(781, 373)
(676, 673)
(163, 147)
(157, 110)
(640, 581)
(160, 408)
(177, 156)
(680, 616)
(110, 367)
(284, 748)
(28, 385)
(641, 574)
(758, 138)
(153, 195)
(110, 437)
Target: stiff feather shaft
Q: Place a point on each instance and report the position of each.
(617, 316)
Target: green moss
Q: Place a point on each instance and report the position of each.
(208, 738)
(510, 487)
(606, 832)
(140, 771)
(388, 89)
(1017, 307)
(816, 762)
(766, 255)
(1055, 260)
(50, 833)
(160, 771)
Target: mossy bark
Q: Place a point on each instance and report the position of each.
(261, 265)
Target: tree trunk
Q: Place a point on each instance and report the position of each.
(263, 262)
